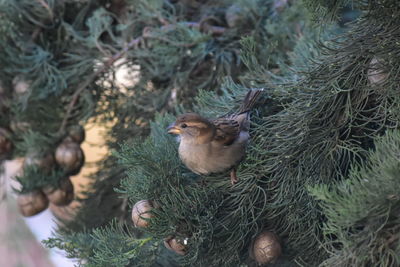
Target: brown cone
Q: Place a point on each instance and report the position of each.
(266, 248)
(32, 203)
(173, 244)
(77, 133)
(70, 157)
(61, 196)
(5, 143)
(141, 211)
(376, 72)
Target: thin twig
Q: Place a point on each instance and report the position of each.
(123, 208)
(35, 34)
(164, 39)
(91, 78)
(215, 30)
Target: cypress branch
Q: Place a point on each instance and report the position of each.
(362, 226)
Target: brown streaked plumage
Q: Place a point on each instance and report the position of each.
(213, 146)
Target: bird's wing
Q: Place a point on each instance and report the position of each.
(227, 130)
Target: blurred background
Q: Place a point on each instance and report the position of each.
(21, 237)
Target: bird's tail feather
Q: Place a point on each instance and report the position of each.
(250, 100)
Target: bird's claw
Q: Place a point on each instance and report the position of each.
(234, 178)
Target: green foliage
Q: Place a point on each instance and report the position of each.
(34, 178)
(133, 156)
(330, 116)
(178, 52)
(363, 210)
(325, 102)
(200, 209)
(77, 245)
(114, 245)
(327, 9)
(175, 62)
(330, 10)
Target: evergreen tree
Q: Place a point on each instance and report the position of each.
(318, 179)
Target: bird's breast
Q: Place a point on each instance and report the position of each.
(211, 158)
(195, 157)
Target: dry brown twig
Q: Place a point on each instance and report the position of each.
(106, 65)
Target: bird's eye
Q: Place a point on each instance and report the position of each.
(183, 125)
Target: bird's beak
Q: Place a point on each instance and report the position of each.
(172, 129)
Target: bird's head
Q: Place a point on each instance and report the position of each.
(192, 127)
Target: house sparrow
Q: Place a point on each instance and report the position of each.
(213, 146)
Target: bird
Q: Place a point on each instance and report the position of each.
(208, 146)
